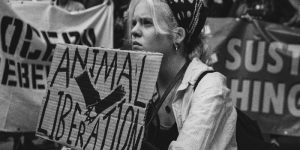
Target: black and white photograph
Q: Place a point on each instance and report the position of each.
(149, 74)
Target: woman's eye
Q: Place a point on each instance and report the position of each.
(147, 22)
(133, 23)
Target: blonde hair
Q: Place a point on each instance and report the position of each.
(160, 10)
(157, 7)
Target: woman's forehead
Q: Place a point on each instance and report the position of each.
(142, 9)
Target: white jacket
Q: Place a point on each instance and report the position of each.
(206, 118)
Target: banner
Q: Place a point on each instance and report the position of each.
(91, 27)
(28, 36)
(97, 98)
(261, 62)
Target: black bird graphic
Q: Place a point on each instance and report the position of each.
(92, 97)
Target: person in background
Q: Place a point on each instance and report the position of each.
(219, 8)
(295, 20)
(275, 11)
(191, 116)
(71, 5)
(77, 5)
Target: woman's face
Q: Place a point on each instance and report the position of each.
(143, 32)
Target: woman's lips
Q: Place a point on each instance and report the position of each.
(137, 46)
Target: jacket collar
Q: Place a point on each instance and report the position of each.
(192, 73)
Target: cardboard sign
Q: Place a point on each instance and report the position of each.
(261, 63)
(97, 98)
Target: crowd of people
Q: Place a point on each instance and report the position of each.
(190, 108)
(285, 12)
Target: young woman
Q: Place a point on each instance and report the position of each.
(202, 114)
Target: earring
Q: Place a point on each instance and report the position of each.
(176, 47)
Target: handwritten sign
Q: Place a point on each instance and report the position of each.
(97, 98)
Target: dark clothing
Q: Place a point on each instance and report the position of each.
(276, 11)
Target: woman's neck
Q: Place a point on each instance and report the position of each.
(170, 66)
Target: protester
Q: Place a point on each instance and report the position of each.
(295, 20)
(205, 118)
(71, 5)
(276, 11)
(77, 5)
(219, 8)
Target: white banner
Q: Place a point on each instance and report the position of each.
(28, 36)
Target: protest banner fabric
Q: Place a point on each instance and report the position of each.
(91, 27)
(261, 62)
(26, 52)
(97, 98)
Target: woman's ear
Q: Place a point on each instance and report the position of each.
(179, 35)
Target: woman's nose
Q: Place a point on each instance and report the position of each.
(136, 31)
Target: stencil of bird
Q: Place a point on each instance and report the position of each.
(92, 97)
